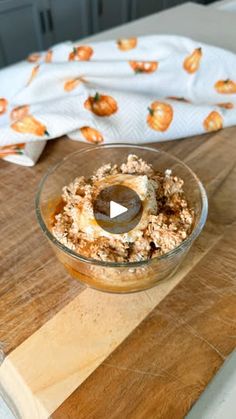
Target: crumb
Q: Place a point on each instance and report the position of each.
(136, 166)
(168, 221)
(106, 170)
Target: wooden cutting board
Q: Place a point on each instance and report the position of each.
(71, 352)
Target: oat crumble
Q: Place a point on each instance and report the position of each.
(166, 222)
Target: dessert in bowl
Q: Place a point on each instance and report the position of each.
(172, 213)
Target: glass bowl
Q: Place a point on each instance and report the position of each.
(109, 276)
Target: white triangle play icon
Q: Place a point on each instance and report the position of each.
(116, 209)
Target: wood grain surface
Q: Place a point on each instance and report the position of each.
(162, 368)
(160, 362)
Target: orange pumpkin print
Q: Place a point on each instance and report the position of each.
(101, 105)
(226, 105)
(83, 53)
(192, 62)
(10, 150)
(34, 73)
(92, 135)
(29, 125)
(225, 86)
(48, 56)
(19, 112)
(33, 58)
(70, 85)
(126, 44)
(144, 66)
(160, 116)
(3, 105)
(213, 122)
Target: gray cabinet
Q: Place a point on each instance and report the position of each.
(2, 59)
(172, 3)
(67, 19)
(109, 13)
(20, 31)
(141, 8)
(28, 26)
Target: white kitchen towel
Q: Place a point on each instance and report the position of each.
(145, 89)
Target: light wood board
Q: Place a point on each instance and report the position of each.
(74, 352)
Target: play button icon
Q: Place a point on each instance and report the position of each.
(117, 209)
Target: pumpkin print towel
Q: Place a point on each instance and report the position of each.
(146, 89)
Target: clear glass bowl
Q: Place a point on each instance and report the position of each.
(110, 276)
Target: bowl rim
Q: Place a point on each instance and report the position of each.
(194, 234)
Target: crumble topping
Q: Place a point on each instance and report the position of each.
(166, 222)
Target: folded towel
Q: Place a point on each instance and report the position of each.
(146, 89)
(25, 154)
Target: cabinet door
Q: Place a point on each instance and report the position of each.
(20, 32)
(67, 19)
(2, 58)
(140, 8)
(172, 3)
(109, 13)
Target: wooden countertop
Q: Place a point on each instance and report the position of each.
(74, 352)
(71, 352)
